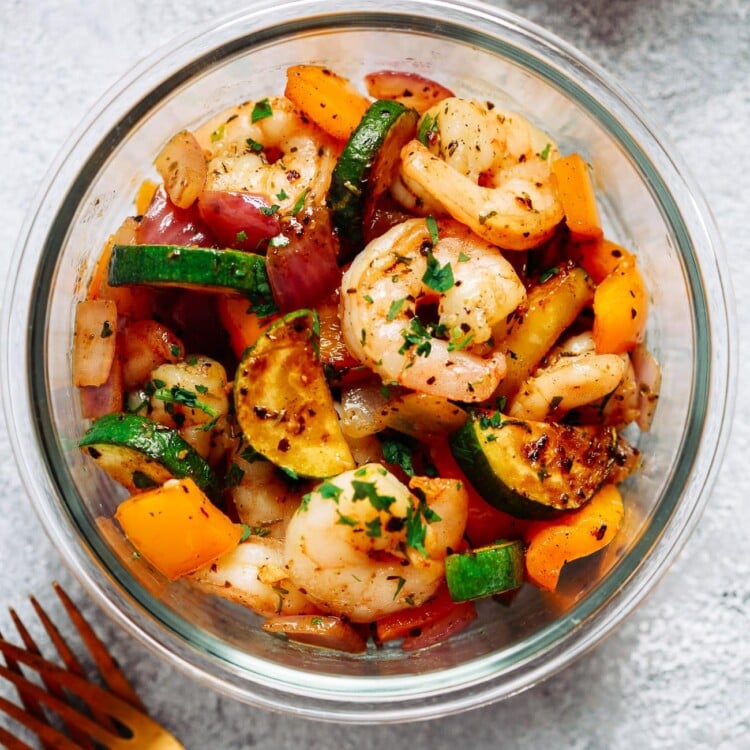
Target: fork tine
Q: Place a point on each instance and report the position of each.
(113, 675)
(74, 683)
(33, 648)
(32, 706)
(143, 728)
(11, 742)
(49, 736)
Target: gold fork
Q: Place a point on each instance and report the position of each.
(119, 706)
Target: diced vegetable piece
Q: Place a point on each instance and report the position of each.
(620, 309)
(484, 523)
(485, 571)
(598, 257)
(283, 404)
(140, 453)
(197, 268)
(410, 89)
(551, 307)
(144, 196)
(533, 469)
(321, 631)
(166, 224)
(182, 166)
(144, 345)
(575, 535)
(177, 528)
(367, 167)
(410, 621)
(240, 322)
(238, 220)
(94, 341)
(302, 260)
(576, 192)
(329, 100)
(437, 631)
(98, 400)
(648, 378)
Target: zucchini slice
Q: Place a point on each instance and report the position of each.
(367, 166)
(283, 404)
(533, 469)
(140, 453)
(485, 571)
(197, 268)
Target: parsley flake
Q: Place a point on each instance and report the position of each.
(368, 491)
(254, 145)
(374, 528)
(281, 195)
(432, 227)
(261, 110)
(438, 278)
(548, 273)
(398, 453)
(270, 210)
(545, 152)
(299, 203)
(396, 305)
(427, 131)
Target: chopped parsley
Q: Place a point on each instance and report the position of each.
(463, 257)
(174, 350)
(218, 134)
(250, 455)
(234, 476)
(456, 344)
(368, 491)
(202, 389)
(548, 273)
(291, 473)
(437, 277)
(270, 210)
(299, 203)
(399, 453)
(254, 145)
(545, 151)
(178, 395)
(416, 336)
(316, 620)
(433, 229)
(428, 129)
(396, 305)
(345, 520)
(330, 491)
(261, 110)
(281, 195)
(374, 528)
(399, 584)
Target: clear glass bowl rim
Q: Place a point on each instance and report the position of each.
(415, 697)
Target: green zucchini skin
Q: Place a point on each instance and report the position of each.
(534, 470)
(138, 453)
(198, 268)
(364, 168)
(485, 571)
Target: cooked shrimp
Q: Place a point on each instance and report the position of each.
(362, 545)
(191, 396)
(264, 500)
(282, 156)
(574, 375)
(488, 169)
(379, 299)
(253, 574)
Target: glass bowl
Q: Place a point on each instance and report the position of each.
(648, 203)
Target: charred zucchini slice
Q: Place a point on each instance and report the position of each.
(367, 167)
(197, 268)
(485, 571)
(533, 469)
(140, 453)
(283, 404)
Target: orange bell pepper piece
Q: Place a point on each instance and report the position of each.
(597, 257)
(243, 326)
(329, 100)
(620, 309)
(177, 528)
(577, 197)
(551, 544)
(144, 196)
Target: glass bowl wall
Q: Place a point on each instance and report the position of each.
(648, 204)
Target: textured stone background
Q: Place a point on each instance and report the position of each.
(677, 673)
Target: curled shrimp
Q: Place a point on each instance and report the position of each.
(488, 169)
(362, 545)
(281, 156)
(253, 574)
(574, 375)
(380, 327)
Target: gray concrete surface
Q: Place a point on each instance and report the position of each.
(677, 673)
